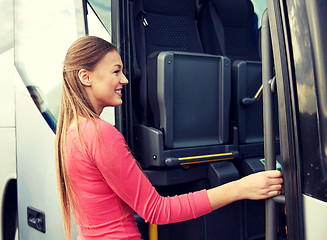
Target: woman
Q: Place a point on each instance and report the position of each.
(98, 178)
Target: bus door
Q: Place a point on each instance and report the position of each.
(298, 37)
(43, 32)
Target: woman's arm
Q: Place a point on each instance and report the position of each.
(123, 175)
(256, 186)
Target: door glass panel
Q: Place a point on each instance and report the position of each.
(43, 32)
(102, 9)
(6, 33)
(314, 181)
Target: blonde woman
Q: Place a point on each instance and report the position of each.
(99, 181)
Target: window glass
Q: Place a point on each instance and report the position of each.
(6, 64)
(6, 19)
(317, 24)
(102, 9)
(95, 26)
(259, 8)
(98, 29)
(43, 33)
(314, 181)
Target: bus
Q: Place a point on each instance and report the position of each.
(218, 89)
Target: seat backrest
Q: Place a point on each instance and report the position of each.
(192, 96)
(246, 82)
(239, 23)
(187, 95)
(171, 27)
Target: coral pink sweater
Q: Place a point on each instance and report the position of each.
(109, 187)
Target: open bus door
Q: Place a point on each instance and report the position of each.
(43, 33)
(298, 60)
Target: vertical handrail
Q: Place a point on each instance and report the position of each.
(268, 122)
(153, 232)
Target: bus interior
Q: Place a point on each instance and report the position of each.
(194, 103)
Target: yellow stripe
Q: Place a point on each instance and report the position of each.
(222, 159)
(205, 156)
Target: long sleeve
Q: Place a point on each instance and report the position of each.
(122, 174)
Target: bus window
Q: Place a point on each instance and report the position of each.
(102, 9)
(42, 37)
(6, 33)
(6, 56)
(317, 169)
(95, 26)
(259, 7)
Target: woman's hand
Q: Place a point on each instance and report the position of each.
(256, 186)
(261, 185)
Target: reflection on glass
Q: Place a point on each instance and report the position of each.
(43, 33)
(42, 106)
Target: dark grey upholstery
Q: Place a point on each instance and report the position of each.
(240, 29)
(171, 27)
(248, 118)
(188, 98)
(246, 81)
(191, 93)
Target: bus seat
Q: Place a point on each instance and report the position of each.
(246, 82)
(161, 26)
(240, 28)
(190, 94)
(172, 34)
(184, 94)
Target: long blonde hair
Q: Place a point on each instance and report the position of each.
(84, 53)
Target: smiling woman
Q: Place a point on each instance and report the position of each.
(86, 56)
(98, 178)
(103, 85)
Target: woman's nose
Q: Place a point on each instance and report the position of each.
(123, 80)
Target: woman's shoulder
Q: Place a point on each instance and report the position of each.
(103, 124)
(95, 129)
(91, 126)
(101, 127)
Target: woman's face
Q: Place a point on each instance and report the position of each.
(106, 82)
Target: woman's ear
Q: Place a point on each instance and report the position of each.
(84, 77)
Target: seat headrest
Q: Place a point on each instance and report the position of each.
(236, 13)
